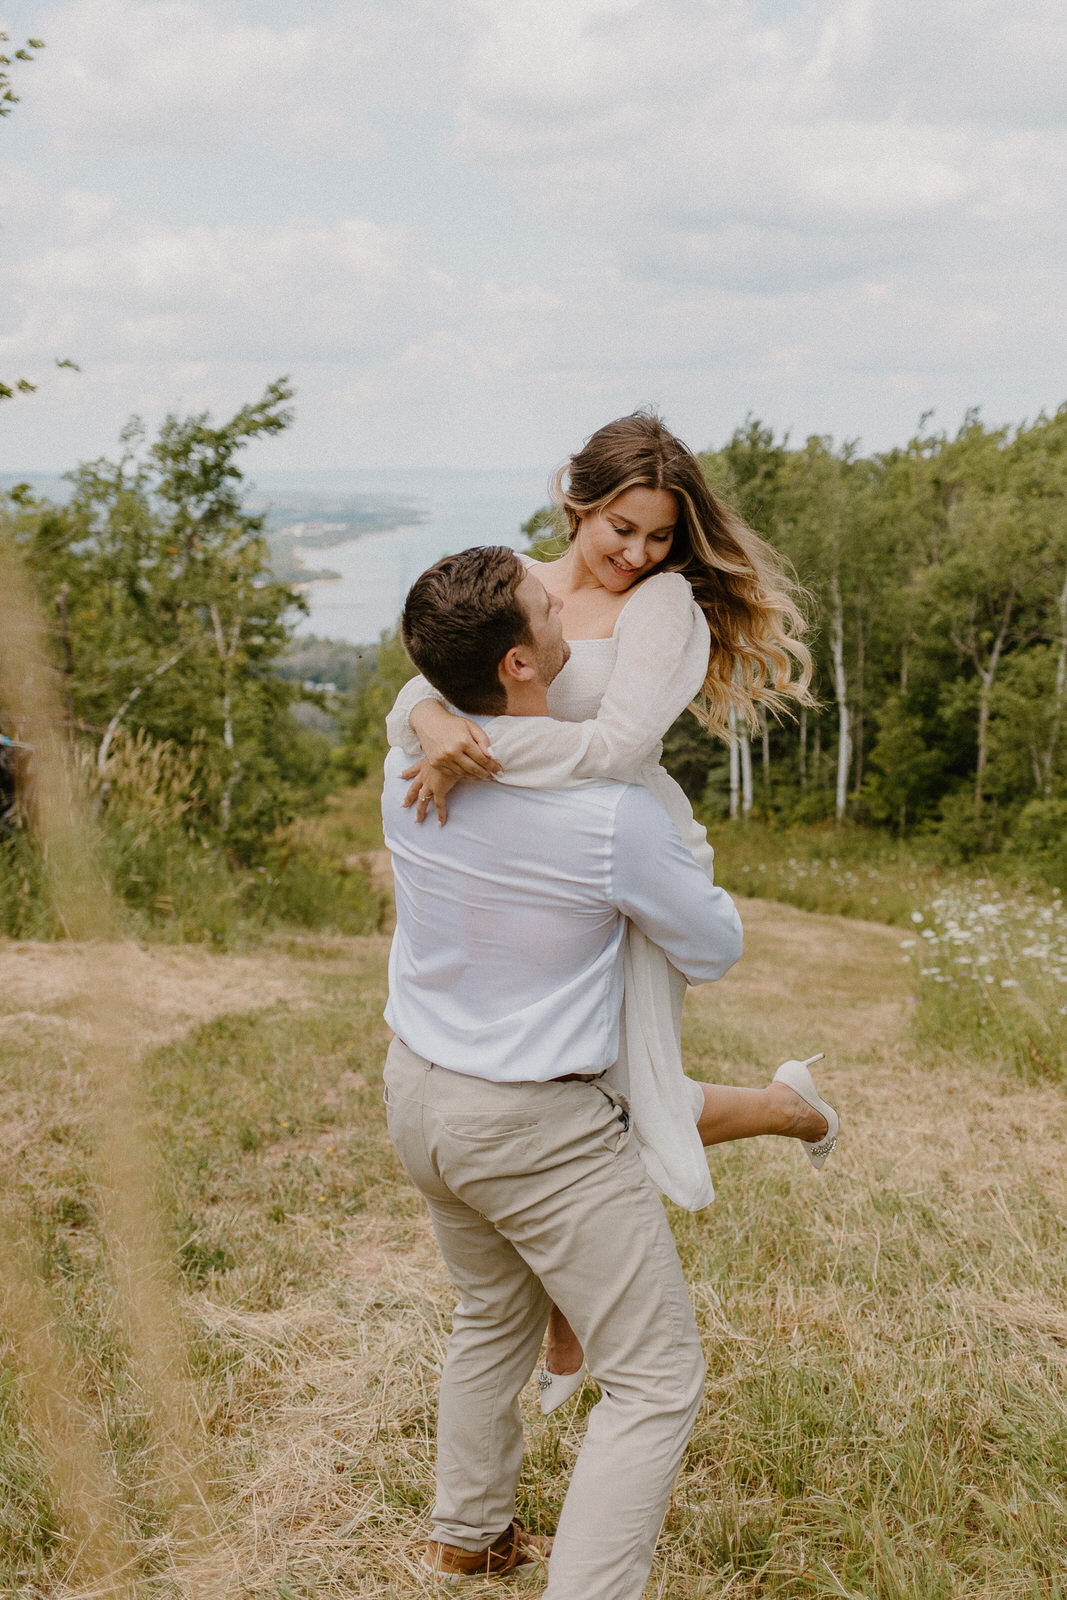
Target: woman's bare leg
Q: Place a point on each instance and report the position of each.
(728, 1114)
(563, 1353)
(731, 1113)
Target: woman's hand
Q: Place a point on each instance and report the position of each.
(430, 784)
(454, 749)
(458, 747)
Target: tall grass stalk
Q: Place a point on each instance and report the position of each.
(62, 1426)
(85, 907)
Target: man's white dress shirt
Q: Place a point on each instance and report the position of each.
(507, 958)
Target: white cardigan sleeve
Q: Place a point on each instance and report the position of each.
(398, 728)
(662, 658)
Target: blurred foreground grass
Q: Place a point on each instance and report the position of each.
(887, 1343)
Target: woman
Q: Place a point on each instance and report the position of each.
(668, 600)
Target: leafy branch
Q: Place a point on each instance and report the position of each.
(8, 101)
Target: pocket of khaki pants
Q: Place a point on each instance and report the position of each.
(486, 1130)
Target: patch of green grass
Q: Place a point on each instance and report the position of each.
(990, 953)
(29, 1524)
(172, 887)
(847, 872)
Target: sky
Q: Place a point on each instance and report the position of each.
(471, 231)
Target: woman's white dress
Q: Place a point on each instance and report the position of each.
(611, 705)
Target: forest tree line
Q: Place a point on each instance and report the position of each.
(935, 583)
(935, 578)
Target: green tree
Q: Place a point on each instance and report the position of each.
(546, 533)
(937, 575)
(991, 589)
(8, 101)
(902, 768)
(168, 616)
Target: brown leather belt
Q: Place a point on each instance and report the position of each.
(578, 1077)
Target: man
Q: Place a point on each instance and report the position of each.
(505, 988)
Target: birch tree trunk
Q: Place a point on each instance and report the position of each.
(134, 694)
(235, 765)
(844, 742)
(735, 767)
(985, 701)
(746, 774)
(1048, 758)
(227, 649)
(987, 677)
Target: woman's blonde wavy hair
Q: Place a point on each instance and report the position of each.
(738, 580)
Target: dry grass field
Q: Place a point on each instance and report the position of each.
(886, 1342)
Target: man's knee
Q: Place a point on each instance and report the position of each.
(672, 1386)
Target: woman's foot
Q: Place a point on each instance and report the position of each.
(806, 1115)
(563, 1351)
(797, 1118)
(781, 1108)
(563, 1371)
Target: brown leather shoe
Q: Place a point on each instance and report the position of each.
(514, 1550)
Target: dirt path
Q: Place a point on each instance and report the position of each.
(170, 988)
(809, 982)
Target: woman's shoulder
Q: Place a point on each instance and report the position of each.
(664, 594)
(674, 583)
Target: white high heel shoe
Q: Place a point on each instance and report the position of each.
(796, 1076)
(558, 1387)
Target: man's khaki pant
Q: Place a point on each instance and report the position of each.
(537, 1194)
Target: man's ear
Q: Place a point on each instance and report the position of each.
(518, 666)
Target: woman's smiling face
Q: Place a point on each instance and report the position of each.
(628, 537)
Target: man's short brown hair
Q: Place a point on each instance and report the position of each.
(460, 619)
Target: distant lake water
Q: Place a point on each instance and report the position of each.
(376, 570)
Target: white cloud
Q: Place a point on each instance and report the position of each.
(128, 73)
(698, 132)
(303, 290)
(834, 221)
(542, 53)
(204, 75)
